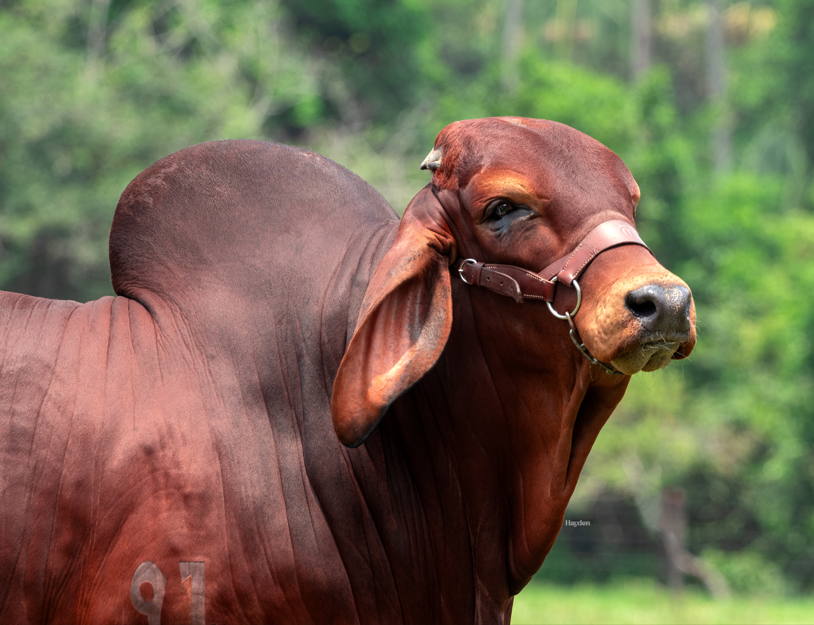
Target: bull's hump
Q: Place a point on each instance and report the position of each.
(217, 206)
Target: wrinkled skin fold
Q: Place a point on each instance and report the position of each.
(294, 387)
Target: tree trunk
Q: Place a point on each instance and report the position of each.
(641, 28)
(680, 562)
(512, 39)
(716, 89)
(667, 517)
(673, 530)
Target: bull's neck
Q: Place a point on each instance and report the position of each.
(503, 443)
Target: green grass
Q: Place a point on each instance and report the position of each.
(644, 602)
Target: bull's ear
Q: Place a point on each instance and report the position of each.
(403, 324)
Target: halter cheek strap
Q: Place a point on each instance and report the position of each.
(522, 284)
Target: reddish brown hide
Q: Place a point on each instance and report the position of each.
(189, 419)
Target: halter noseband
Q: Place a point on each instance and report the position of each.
(521, 284)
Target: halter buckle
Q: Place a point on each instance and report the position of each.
(461, 269)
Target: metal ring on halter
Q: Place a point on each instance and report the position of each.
(461, 269)
(573, 313)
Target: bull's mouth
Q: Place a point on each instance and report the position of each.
(640, 324)
(648, 356)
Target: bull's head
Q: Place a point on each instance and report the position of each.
(522, 193)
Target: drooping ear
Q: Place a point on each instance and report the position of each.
(403, 325)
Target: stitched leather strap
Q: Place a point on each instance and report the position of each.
(522, 284)
(605, 236)
(507, 280)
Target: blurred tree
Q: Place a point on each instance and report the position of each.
(715, 66)
(773, 88)
(512, 41)
(94, 92)
(642, 29)
(378, 47)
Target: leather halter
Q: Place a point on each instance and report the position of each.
(521, 284)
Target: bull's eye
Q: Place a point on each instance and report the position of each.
(501, 210)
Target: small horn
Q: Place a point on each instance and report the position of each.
(433, 160)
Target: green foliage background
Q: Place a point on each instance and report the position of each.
(93, 91)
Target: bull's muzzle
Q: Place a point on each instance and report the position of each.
(663, 311)
(660, 318)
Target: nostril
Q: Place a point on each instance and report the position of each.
(661, 309)
(642, 309)
(642, 302)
